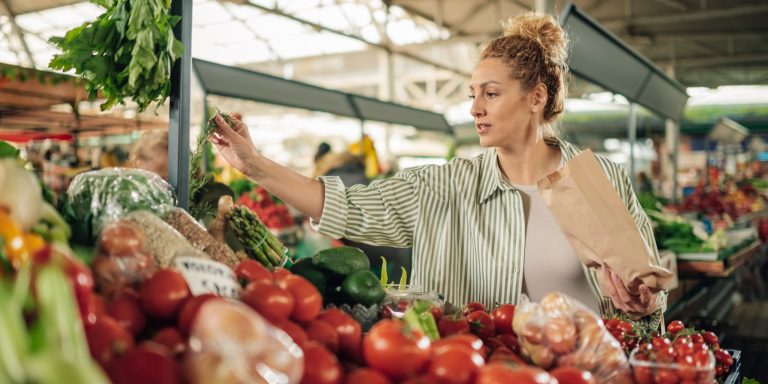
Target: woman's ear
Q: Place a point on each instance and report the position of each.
(538, 97)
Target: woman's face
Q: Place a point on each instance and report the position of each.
(502, 110)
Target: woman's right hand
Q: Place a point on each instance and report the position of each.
(234, 144)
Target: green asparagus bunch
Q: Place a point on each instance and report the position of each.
(260, 244)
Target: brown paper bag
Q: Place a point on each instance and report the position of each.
(598, 224)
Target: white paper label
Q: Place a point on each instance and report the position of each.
(208, 276)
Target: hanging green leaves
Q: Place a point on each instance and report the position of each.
(127, 51)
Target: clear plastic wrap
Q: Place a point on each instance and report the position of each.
(96, 197)
(165, 242)
(122, 257)
(230, 343)
(560, 331)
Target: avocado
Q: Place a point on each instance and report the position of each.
(363, 287)
(341, 261)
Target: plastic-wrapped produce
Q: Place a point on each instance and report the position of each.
(97, 197)
(165, 242)
(560, 331)
(122, 257)
(230, 344)
(199, 237)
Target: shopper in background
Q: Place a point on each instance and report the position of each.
(479, 228)
(350, 169)
(150, 152)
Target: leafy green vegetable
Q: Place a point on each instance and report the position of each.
(747, 380)
(128, 51)
(8, 150)
(96, 196)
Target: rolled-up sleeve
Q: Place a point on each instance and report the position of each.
(383, 212)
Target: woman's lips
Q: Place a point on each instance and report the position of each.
(483, 128)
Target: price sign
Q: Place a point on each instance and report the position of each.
(208, 276)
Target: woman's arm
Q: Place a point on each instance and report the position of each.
(236, 146)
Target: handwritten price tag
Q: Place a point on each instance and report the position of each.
(208, 276)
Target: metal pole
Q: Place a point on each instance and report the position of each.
(178, 130)
(672, 136)
(632, 136)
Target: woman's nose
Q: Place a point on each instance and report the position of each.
(476, 110)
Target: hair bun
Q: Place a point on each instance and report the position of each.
(544, 30)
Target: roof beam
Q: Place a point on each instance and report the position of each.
(676, 18)
(720, 61)
(386, 47)
(6, 9)
(673, 4)
(472, 13)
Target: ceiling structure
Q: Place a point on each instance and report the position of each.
(421, 52)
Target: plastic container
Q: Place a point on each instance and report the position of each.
(397, 301)
(655, 372)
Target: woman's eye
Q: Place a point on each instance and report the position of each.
(471, 97)
(491, 94)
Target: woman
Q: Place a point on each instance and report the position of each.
(478, 227)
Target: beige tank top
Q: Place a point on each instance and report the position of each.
(550, 262)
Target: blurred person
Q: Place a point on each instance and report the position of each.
(350, 169)
(479, 227)
(150, 152)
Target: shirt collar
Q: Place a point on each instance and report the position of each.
(491, 178)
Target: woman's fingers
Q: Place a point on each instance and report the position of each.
(223, 128)
(620, 288)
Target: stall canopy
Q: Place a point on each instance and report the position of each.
(602, 58)
(222, 80)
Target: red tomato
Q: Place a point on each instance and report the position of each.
(492, 343)
(90, 308)
(106, 339)
(437, 312)
(367, 376)
(452, 325)
(297, 334)
(675, 326)
(269, 300)
(455, 366)
(696, 338)
(467, 340)
(421, 379)
(147, 363)
(308, 300)
(170, 338)
(251, 270)
(496, 373)
(279, 274)
(502, 318)
(189, 311)
(395, 350)
(472, 307)
(323, 333)
(643, 375)
(505, 355)
(320, 365)
(126, 309)
(349, 330)
(163, 293)
(572, 375)
(510, 341)
(666, 376)
(481, 324)
(722, 356)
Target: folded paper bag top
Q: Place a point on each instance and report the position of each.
(598, 224)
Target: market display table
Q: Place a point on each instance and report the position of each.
(719, 268)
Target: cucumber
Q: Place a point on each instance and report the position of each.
(341, 261)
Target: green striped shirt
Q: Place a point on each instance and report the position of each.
(465, 223)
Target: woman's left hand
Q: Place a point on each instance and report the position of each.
(635, 305)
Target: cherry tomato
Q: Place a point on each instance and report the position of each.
(126, 309)
(724, 357)
(666, 376)
(269, 300)
(502, 318)
(251, 270)
(148, 363)
(710, 338)
(163, 293)
(297, 334)
(437, 312)
(675, 326)
(171, 338)
(189, 311)
(455, 366)
(510, 341)
(323, 333)
(572, 375)
(107, 339)
(696, 338)
(349, 330)
(367, 376)
(481, 324)
(472, 307)
(496, 373)
(395, 350)
(643, 375)
(452, 325)
(308, 300)
(320, 365)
